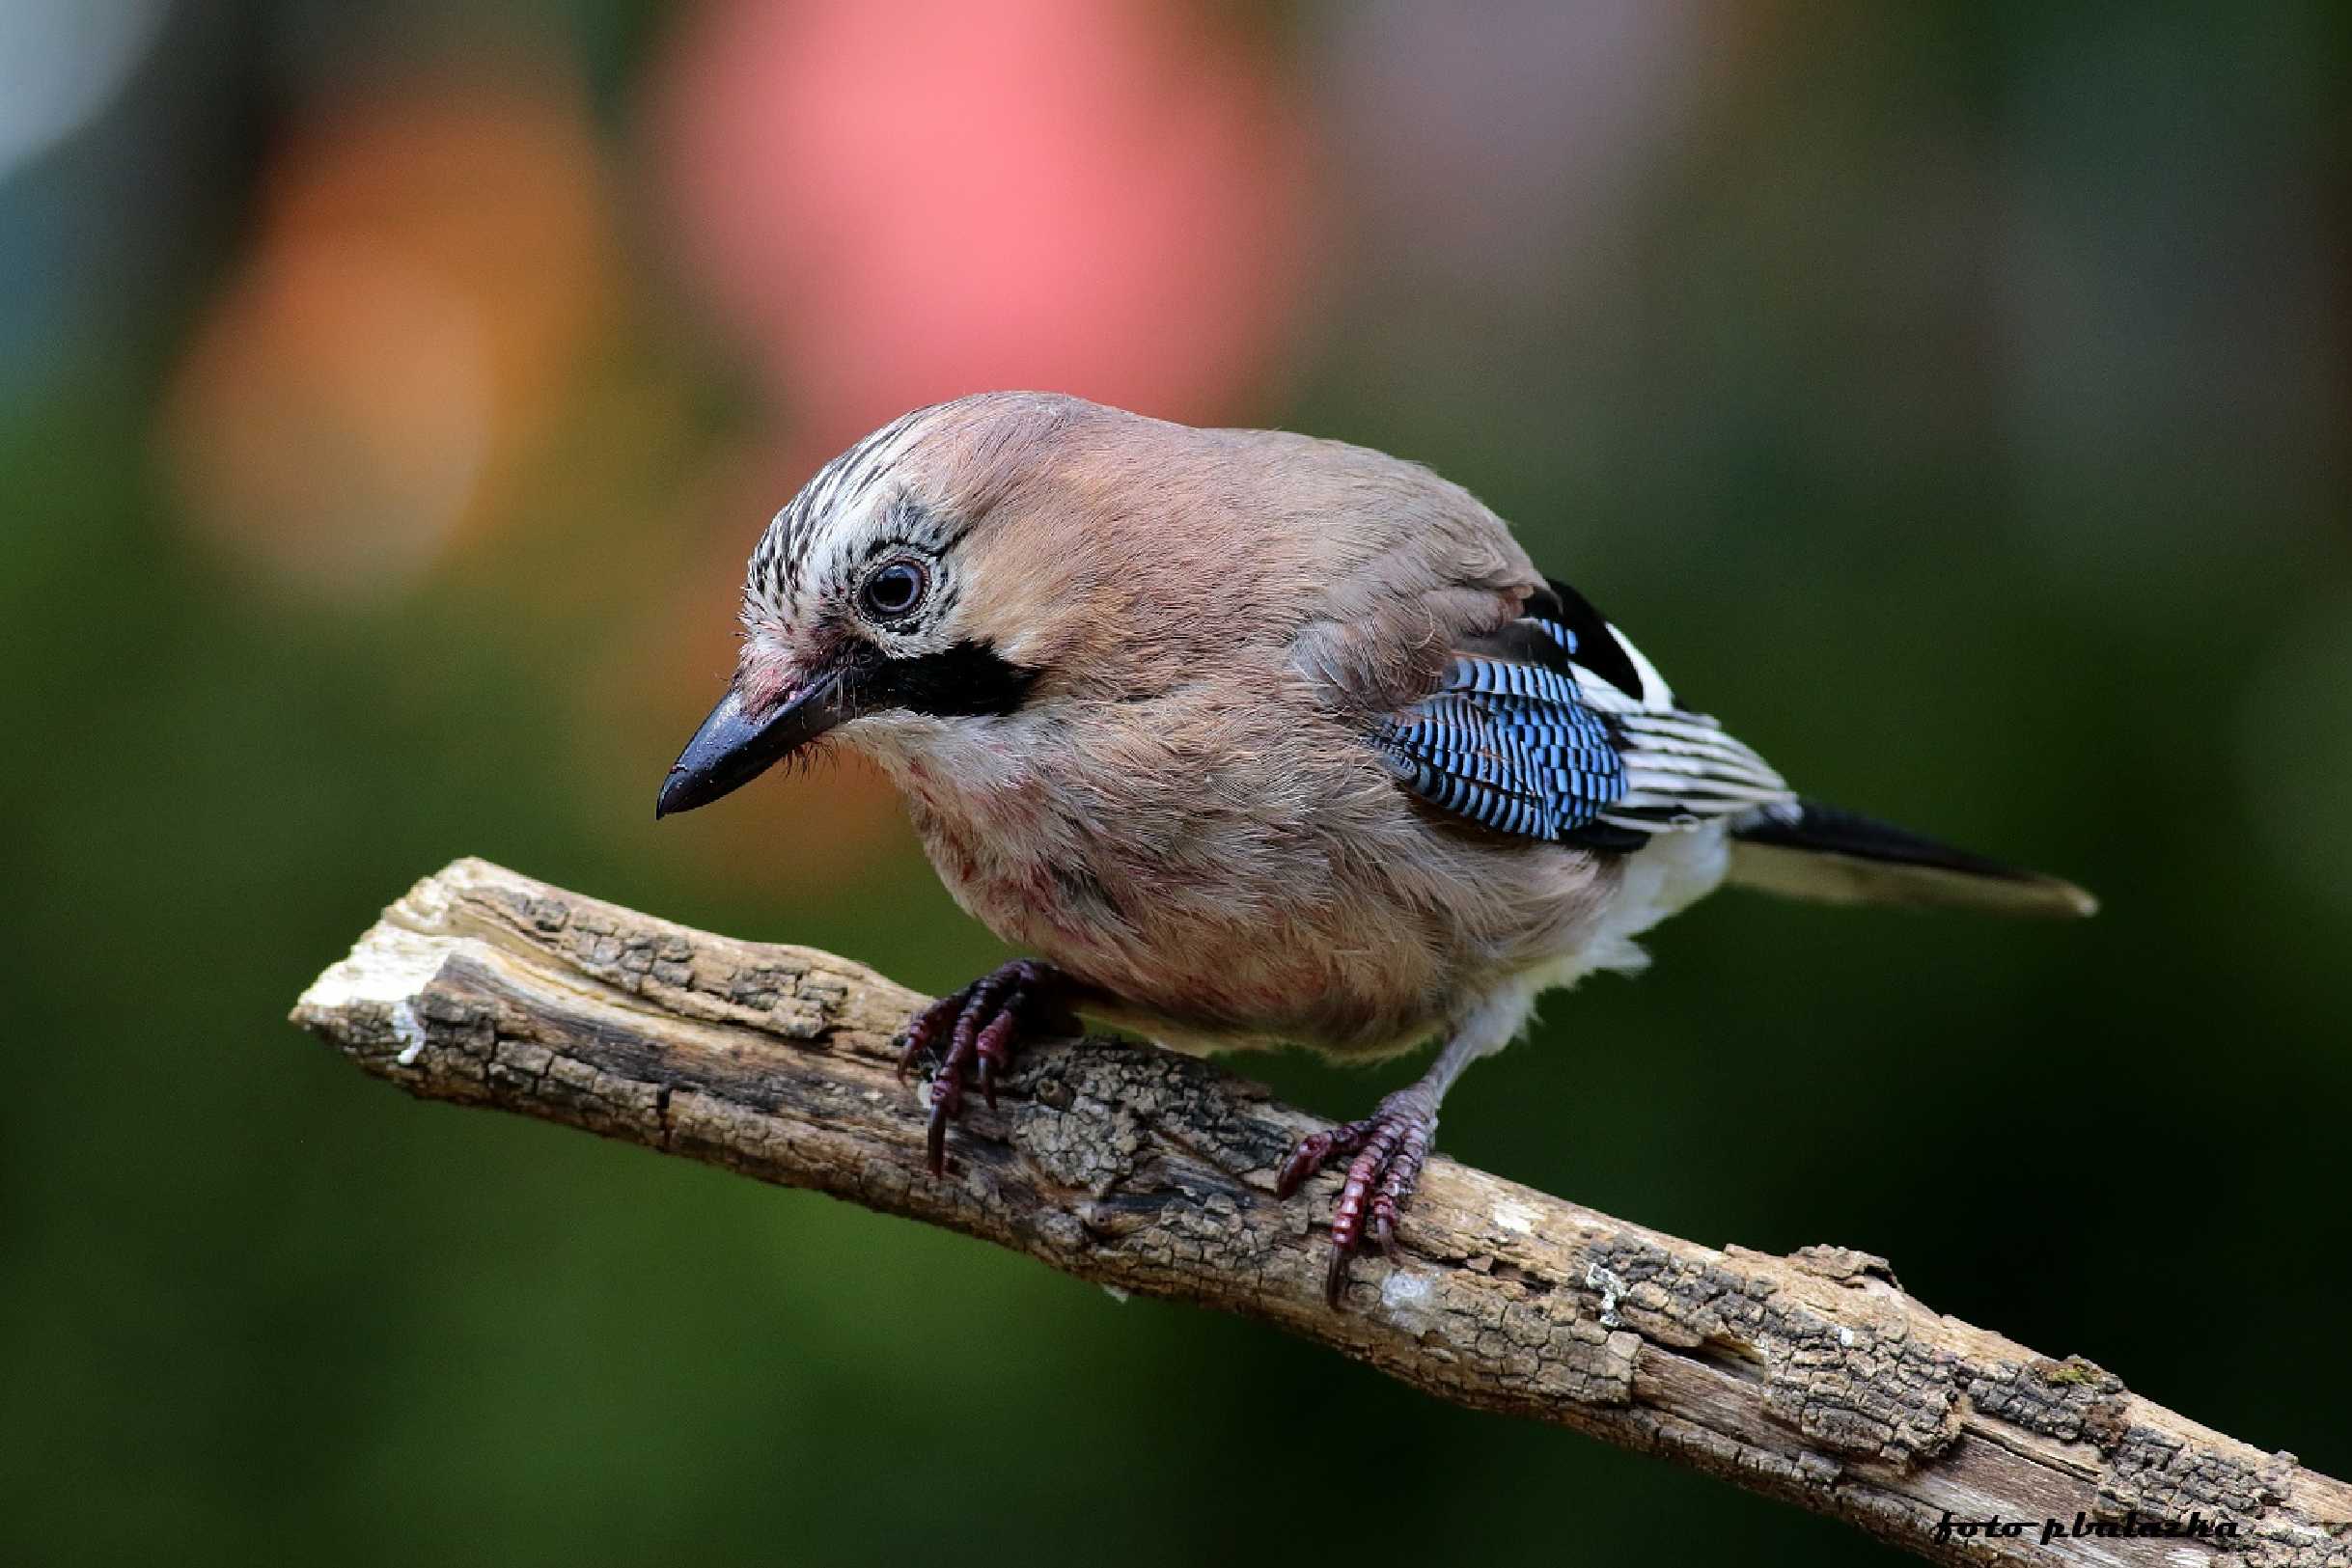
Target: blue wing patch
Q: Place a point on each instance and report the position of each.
(1511, 747)
(1550, 727)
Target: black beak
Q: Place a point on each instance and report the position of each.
(733, 748)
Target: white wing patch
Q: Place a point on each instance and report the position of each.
(1682, 769)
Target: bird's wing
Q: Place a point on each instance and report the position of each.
(1556, 728)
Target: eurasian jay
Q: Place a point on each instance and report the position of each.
(1257, 739)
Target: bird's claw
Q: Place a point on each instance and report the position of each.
(972, 1032)
(1389, 1146)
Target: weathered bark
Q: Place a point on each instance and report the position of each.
(1813, 1378)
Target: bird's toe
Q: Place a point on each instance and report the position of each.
(972, 1035)
(1389, 1148)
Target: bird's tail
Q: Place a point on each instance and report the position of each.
(1808, 850)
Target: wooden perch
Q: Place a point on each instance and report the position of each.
(1811, 1378)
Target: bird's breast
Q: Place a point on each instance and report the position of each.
(1208, 893)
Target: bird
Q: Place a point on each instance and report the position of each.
(1257, 739)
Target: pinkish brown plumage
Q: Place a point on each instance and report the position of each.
(1255, 739)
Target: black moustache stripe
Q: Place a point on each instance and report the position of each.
(965, 681)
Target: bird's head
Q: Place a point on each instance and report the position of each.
(899, 595)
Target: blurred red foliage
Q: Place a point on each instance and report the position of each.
(896, 201)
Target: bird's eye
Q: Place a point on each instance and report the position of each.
(894, 589)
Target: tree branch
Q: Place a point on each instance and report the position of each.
(1811, 1378)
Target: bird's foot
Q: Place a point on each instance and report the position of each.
(973, 1032)
(1389, 1146)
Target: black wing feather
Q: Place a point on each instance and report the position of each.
(1591, 639)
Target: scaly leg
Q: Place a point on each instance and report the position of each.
(1391, 1146)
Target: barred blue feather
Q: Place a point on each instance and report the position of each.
(1554, 729)
(1511, 746)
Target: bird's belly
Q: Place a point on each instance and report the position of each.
(1201, 960)
(1661, 879)
(1196, 974)
(1355, 927)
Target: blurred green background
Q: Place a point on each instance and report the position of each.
(1952, 398)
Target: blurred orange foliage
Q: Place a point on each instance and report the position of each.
(425, 273)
